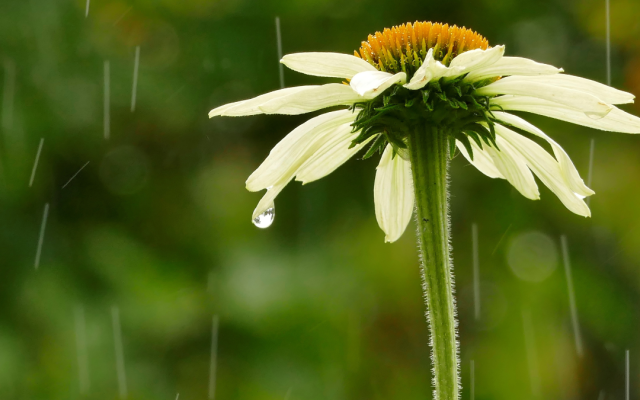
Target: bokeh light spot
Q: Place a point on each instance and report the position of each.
(532, 256)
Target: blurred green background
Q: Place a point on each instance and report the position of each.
(155, 232)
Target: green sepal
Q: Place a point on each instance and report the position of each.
(464, 139)
(394, 141)
(375, 146)
(452, 147)
(364, 135)
(475, 137)
(425, 96)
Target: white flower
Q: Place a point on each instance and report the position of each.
(319, 146)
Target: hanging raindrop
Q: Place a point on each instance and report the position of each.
(265, 219)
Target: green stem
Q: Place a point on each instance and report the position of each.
(429, 161)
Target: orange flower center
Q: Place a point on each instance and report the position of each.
(404, 47)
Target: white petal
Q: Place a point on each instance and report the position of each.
(423, 75)
(220, 110)
(334, 65)
(439, 70)
(569, 171)
(393, 195)
(316, 98)
(589, 104)
(251, 106)
(481, 160)
(603, 92)
(371, 83)
(266, 201)
(514, 168)
(331, 155)
(477, 58)
(546, 169)
(432, 70)
(292, 151)
(616, 121)
(512, 66)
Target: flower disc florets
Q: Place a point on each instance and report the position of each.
(404, 47)
(447, 104)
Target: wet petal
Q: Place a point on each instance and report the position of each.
(514, 168)
(569, 171)
(295, 149)
(589, 104)
(423, 75)
(393, 195)
(334, 65)
(475, 59)
(330, 155)
(481, 160)
(511, 66)
(251, 106)
(313, 99)
(371, 83)
(266, 201)
(616, 121)
(546, 168)
(603, 92)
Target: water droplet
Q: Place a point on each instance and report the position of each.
(265, 219)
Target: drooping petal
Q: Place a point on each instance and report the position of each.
(266, 201)
(511, 66)
(546, 168)
(332, 94)
(330, 155)
(251, 106)
(393, 195)
(603, 92)
(481, 160)
(333, 65)
(296, 148)
(477, 58)
(514, 168)
(370, 84)
(513, 85)
(505, 163)
(616, 121)
(569, 171)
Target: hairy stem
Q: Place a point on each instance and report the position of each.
(429, 161)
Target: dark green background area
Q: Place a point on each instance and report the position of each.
(317, 306)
